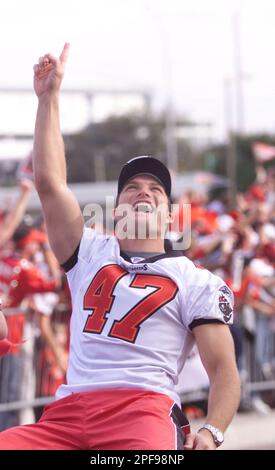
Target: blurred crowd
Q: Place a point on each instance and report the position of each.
(236, 243)
(36, 303)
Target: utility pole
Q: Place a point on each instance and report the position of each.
(237, 51)
(171, 146)
(232, 153)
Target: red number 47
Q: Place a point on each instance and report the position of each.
(99, 299)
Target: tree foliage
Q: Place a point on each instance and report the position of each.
(216, 157)
(109, 144)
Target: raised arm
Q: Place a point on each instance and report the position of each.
(13, 219)
(62, 213)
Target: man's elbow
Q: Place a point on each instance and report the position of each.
(236, 381)
(236, 389)
(226, 371)
(45, 179)
(232, 380)
(43, 184)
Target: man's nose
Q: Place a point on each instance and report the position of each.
(144, 192)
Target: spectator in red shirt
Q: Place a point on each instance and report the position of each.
(19, 277)
(10, 222)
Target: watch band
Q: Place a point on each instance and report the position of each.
(216, 433)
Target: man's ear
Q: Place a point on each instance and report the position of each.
(171, 217)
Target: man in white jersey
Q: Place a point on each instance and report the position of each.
(137, 311)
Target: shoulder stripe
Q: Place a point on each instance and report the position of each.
(204, 321)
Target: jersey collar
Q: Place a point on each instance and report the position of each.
(152, 259)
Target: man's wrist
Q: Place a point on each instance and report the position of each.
(49, 97)
(215, 433)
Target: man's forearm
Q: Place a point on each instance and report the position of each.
(224, 397)
(14, 218)
(262, 307)
(48, 153)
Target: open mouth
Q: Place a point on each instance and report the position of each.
(144, 207)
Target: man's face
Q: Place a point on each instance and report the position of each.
(147, 202)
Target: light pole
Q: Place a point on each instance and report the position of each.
(166, 62)
(170, 119)
(231, 153)
(237, 51)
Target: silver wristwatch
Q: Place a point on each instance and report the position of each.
(216, 433)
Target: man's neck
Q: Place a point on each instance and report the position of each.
(135, 245)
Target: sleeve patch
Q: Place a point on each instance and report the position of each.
(225, 305)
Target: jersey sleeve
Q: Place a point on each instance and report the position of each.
(83, 255)
(208, 300)
(82, 251)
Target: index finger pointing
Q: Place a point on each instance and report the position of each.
(65, 53)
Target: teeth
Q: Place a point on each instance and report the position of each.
(143, 207)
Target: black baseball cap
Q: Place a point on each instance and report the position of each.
(145, 165)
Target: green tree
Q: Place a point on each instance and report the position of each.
(112, 142)
(246, 165)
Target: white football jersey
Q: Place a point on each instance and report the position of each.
(131, 324)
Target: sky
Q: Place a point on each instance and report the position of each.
(181, 51)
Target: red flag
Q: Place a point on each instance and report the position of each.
(263, 152)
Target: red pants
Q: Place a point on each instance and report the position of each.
(103, 420)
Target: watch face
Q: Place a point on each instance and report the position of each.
(219, 437)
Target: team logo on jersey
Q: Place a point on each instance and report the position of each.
(224, 304)
(226, 291)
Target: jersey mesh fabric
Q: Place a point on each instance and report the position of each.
(131, 325)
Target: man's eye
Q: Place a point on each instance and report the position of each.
(156, 188)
